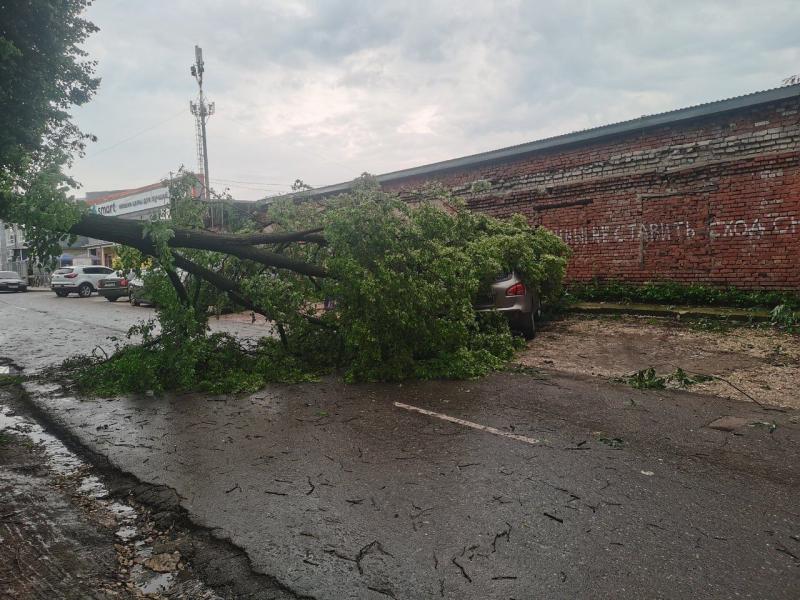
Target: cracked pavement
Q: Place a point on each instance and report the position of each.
(337, 491)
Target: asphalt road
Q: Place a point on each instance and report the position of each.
(513, 486)
(39, 329)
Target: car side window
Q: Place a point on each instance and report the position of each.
(90, 270)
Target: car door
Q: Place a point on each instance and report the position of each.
(94, 275)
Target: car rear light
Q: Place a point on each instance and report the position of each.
(517, 289)
(70, 276)
(123, 282)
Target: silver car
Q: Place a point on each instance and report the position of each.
(11, 282)
(510, 296)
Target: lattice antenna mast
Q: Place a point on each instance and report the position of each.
(201, 111)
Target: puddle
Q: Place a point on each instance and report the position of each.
(64, 462)
(61, 460)
(126, 533)
(9, 368)
(92, 487)
(123, 512)
(149, 582)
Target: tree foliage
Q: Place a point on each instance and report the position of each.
(400, 280)
(43, 72)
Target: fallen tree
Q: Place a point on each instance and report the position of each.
(402, 278)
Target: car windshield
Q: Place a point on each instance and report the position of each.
(8, 275)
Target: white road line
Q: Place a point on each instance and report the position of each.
(73, 321)
(20, 308)
(430, 413)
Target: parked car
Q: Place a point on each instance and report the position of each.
(137, 291)
(140, 292)
(82, 280)
(113, 288)
(509, 295)
(11, 282)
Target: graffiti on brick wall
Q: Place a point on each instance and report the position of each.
(680, 230)
(770, 224)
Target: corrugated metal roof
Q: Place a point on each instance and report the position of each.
(122, 194)
(643, 122)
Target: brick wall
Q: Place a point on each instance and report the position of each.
(713, 200)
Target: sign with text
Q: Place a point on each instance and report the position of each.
(148, 199)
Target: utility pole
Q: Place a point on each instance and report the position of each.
(202, 111)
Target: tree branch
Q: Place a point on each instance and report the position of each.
(180, 289)
(132, 233)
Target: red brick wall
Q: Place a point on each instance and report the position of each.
(713, 200)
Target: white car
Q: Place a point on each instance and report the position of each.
(82, 280)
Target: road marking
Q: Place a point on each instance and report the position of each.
(478, 426)
(20, 308)
(73, 321)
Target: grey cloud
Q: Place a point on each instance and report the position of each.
(324, 90)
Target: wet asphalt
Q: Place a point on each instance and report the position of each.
(39, 329)
(514, 486)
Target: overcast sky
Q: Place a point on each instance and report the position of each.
(326, 90)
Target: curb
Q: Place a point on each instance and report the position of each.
(675, 312)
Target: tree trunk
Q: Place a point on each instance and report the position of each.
(132, 233)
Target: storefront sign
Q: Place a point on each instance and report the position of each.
(156, 198)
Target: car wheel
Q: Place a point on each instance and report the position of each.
(134, 301)
(61, 293)
(528, 326)
(85, 290)
(112, 298)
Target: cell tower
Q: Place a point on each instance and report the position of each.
(201, 111)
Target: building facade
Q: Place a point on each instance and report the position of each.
(706, 194)
(147, 203)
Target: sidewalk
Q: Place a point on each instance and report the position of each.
(676, 312)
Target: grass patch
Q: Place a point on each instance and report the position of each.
(672, 293)
(11, 380)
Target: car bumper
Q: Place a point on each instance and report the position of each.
(522, 304)
(63, 287)
(113, 292)
(10, 287)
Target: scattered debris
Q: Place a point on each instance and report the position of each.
(461, 567)
(648, 379)
(614, 442)
(553, 517)
(383, 591)
(164, 562)
(373, 546)
(769, 425)
(506, 533)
